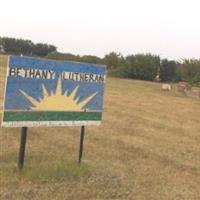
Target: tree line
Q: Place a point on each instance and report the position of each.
(135, 66)
(25, 47)
(141, 66)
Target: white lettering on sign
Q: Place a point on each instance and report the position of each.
(50, 123)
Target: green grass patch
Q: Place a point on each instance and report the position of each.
(56, 171)
(45, 170)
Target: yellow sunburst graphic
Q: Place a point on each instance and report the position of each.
(58, 101)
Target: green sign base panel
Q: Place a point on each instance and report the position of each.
(50, 118)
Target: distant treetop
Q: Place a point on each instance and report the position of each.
(25, 47)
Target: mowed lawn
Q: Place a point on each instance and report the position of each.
(148, 147)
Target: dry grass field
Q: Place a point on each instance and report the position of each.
(148, 147)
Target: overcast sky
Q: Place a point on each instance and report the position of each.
(170, 28)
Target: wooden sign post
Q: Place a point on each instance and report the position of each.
(81, 143)
(22, 147)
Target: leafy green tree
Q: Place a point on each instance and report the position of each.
(41, 49)
(190, 71)
(63, 56)
(169, 71)
(91, 59)
(1, 45)
(142, 66)
(114, 60)
(1, 41)
(25, 47)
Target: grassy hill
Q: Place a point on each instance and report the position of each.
(148, 147)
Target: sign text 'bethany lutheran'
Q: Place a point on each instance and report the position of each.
(50, 74)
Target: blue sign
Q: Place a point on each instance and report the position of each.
(42, 92)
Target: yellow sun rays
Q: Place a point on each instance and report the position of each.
(58, 101)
